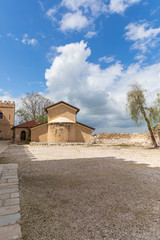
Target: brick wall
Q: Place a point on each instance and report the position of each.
(7, 113)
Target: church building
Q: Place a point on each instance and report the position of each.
(61, 126)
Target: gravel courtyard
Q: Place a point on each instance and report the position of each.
(87, 192)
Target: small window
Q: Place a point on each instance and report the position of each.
(1, 115)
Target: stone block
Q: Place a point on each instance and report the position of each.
(8, 177)
(4, 196)
(8, 185)
(9, 210)
(3, 180)
(9, 219)
(15, 195)
(9, 190)
(12, 201)
(13, 180)
(11, 232)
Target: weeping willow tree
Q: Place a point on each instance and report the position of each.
(138, 109)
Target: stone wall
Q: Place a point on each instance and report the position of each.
(17, 135)
(7, 109)
(143, 139)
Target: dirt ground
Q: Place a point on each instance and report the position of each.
(87, 192)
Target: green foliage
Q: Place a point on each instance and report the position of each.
(156, 110)
(135, 101)
(42, 119)
(22, 115)
(29, 138)
(138, 110)
(33, 108)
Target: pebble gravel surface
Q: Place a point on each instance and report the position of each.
(87, 192)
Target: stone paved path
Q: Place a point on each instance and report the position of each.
(9, 203)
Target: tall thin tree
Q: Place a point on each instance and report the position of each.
(138, 110)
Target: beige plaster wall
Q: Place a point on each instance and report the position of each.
(59, 132)
(64, 132)
(83, 134)
(61, 111)
(39, 133)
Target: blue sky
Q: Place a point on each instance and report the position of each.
(85, 52)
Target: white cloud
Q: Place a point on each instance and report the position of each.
(28, 41)
(143, 35)
(10, 35)
(73, 21)
(51, 54)
(51, 14)
(99, 6)
(106, 59)
(41, 4)
(140, 57)
(79, 14)
(5, 96)
(90, 34)
(155, 11)
(119, 6)
(96, 7)
(73, 5)
(138, 31)
(100, 93)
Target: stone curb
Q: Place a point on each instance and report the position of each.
(9, 203)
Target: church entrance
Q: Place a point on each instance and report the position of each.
(23, 136)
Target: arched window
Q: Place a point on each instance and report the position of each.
(23, 136)
(1, 115)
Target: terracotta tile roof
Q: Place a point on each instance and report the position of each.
(27, 124)
(39, 124)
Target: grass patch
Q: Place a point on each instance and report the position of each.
(125, 145)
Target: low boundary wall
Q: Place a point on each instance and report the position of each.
(143, 139)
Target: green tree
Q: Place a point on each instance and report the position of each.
(156, 110)
(33, 108)
(138, 110)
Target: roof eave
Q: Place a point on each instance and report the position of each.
(39, 125)
(77, 109)
(86, 126)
